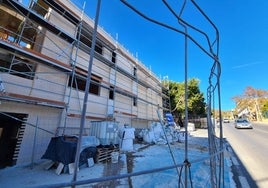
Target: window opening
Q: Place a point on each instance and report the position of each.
(113, 57)
(134, 101)
(18, 66)
(111, 93)
(135, 71)
(86, 39)
(79, 83)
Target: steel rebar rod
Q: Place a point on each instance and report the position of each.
(84, 110)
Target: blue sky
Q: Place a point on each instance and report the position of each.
(242, 25)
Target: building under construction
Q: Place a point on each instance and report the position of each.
(45, 52)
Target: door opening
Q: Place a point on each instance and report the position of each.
(11, 133)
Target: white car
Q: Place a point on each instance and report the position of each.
(225, 120)
(243, 124)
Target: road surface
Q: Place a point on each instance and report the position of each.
(251, 147)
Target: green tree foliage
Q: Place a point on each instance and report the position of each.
(196, 101)
(265, 105)
(264, 108)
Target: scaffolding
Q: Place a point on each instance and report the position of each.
(44, 65)
(52, 60)
(72, 48)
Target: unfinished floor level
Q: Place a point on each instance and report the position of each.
(45, 52)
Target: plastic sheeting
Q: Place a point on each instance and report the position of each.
(63, 149)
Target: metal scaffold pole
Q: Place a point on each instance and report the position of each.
(83, 115)
(74, 61)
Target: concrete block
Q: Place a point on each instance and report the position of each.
(59, 168)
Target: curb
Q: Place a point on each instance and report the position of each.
(238, 173)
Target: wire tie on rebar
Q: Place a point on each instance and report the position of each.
(187, 163)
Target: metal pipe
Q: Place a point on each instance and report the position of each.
(34, 142)
(83, 115)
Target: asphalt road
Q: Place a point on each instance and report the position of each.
(251, 147)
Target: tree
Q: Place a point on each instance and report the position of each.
(196, 101)
(264, 108)
(254, 100)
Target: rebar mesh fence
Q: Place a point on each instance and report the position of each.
(216, 175)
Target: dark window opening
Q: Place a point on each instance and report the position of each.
(39, 8)
(94, 87)
(86, 39)
(11, 134)
(135, 71)
(98, 48)
(17, 66)
(79, 83)
(113, 57)
(111, 93)
(134, 101)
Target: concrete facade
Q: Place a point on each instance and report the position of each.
(44, 62)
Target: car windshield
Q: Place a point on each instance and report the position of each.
(242, 121)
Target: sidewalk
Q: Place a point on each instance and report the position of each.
(261, 122)
(155, 156)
